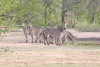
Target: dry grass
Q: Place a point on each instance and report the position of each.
(39, 55)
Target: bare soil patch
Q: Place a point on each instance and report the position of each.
(22, 53)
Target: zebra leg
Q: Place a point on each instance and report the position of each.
(32, 38)
(48, 39)
(60, 40)
(26, 38)
(57, 41)
(36, 38)
(44, 38)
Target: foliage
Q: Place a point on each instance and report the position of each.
(14, 12)
(90, 28)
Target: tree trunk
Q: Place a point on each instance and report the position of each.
(92, 19)
(71, 18)
(63, 11)
(45, 15)
(63, 16)
(74, 23)
(95, 3)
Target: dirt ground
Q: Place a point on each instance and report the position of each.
(14, 52)
(80, 36)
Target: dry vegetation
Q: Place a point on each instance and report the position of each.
(39, 55)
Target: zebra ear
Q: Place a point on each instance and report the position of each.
(65, 23)
(29, 26)
(22, 24)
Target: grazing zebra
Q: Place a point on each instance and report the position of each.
(67, 34)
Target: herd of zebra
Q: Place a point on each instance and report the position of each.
(48, 35)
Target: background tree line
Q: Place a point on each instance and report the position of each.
(76, 13)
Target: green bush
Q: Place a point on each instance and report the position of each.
(90, 28)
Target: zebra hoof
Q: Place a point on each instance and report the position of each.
(57, 44)
(44, 44)
(35, 41)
